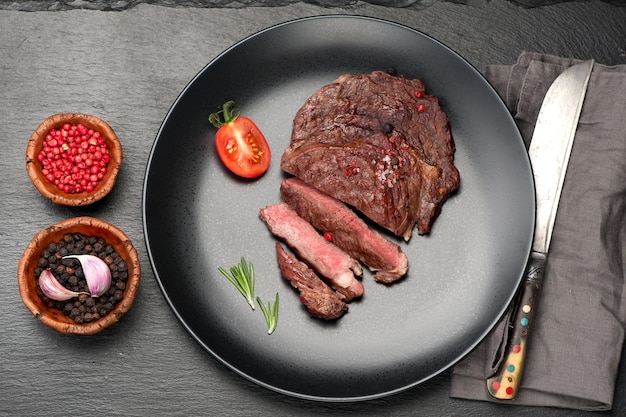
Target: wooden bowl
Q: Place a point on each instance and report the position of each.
(87, 226)
(50, 190)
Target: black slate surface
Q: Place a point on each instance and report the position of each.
(128, 67)
(117, 5)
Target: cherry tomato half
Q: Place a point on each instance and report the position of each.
(240, 144)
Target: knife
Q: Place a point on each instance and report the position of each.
(549, 154)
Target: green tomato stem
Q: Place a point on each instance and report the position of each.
(228, 112)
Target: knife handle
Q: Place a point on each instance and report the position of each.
(504, 384)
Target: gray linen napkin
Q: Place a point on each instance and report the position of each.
(575, 346)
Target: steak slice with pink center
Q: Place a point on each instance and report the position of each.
(315, 294)
(349, 232)
(325, 258)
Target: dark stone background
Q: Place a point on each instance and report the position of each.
(118, 5)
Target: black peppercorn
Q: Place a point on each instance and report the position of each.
(84, 308)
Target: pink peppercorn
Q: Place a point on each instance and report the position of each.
(74, 158)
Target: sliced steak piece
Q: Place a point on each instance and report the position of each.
(315, 294)
(349, 232)
(325, 258)
(380, 144)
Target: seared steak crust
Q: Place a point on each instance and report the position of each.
(317, 297)
(380, 144)
(349, 232)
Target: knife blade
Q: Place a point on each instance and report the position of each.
(549, 153)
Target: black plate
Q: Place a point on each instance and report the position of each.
(197, 217)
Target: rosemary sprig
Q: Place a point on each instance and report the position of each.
(270, 313)
(242, 277)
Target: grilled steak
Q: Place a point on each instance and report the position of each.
(380, 144)
(325, 258)
(317, 297)
(349, 232)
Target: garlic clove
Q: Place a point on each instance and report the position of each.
(97, 273)
(53, 289)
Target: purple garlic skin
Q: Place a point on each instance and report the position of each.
(53, 289)
(96, 271)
